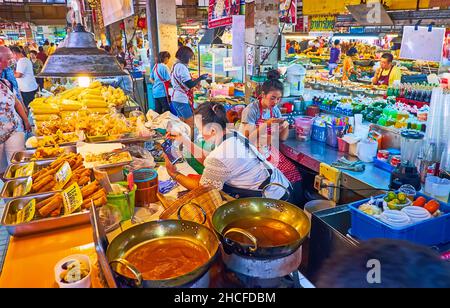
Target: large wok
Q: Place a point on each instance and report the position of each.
(136, 235)
(264, 208)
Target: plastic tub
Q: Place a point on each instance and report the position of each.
(434, 231)
(343, 146)
(303, 126)
(437, 187)
(120, 202)
(145, 178)
(146, 196)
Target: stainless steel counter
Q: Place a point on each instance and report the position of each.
(311, 153)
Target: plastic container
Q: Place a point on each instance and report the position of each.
(303, 126)
(343, 146)
(437, 188)
(145, 178)
(146, 181)
(312, 111)
(81, 284)
(319, 133)
(434, 231)
(367, 150)
(332, 135)
(120, 202)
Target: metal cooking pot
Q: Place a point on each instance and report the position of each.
(263, 208)
(139, 234)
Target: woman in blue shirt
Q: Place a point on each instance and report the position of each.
(161, 81)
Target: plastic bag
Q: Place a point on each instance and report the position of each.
(142, 158)
(142, 130)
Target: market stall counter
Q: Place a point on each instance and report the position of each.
(30, 260)
(311, 153)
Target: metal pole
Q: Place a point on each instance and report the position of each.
(152, 29)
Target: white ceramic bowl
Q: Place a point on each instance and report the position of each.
(83, 283)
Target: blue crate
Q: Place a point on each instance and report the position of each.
(430, 232)
(383, 165)
(319, 133)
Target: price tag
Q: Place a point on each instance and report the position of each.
(28, 185)
(63, 175)
(26, 170)
(27, 213)
(72, 198)
(227, 64)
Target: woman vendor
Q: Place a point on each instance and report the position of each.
(183, 85)
(349, 71)
(257, 122)
(388, 73)
(235, 165)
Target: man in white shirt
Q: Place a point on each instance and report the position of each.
(25, 76)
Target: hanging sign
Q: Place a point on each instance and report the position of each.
(250, 59)
(220, 12)
(322, 23)
(115, 10)
(414, 39)
(288, 11)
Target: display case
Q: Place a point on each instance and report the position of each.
(211, 61)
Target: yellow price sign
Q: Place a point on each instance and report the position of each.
(63, 175)
(26, 170)
(26, 214)
(72, 198)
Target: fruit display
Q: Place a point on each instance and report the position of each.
(397, 201)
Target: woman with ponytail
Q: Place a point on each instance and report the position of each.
(235, 165)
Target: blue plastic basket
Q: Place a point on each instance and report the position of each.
(430, 232)
(319, 133)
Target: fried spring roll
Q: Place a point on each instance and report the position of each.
(47, 187)
(44, 202)
(50, 207)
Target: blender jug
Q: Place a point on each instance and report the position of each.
(406, 172)
(411, 143)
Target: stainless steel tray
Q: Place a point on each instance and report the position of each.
(7, 191)
(11, 170)
(38, 224)
(25, 156)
